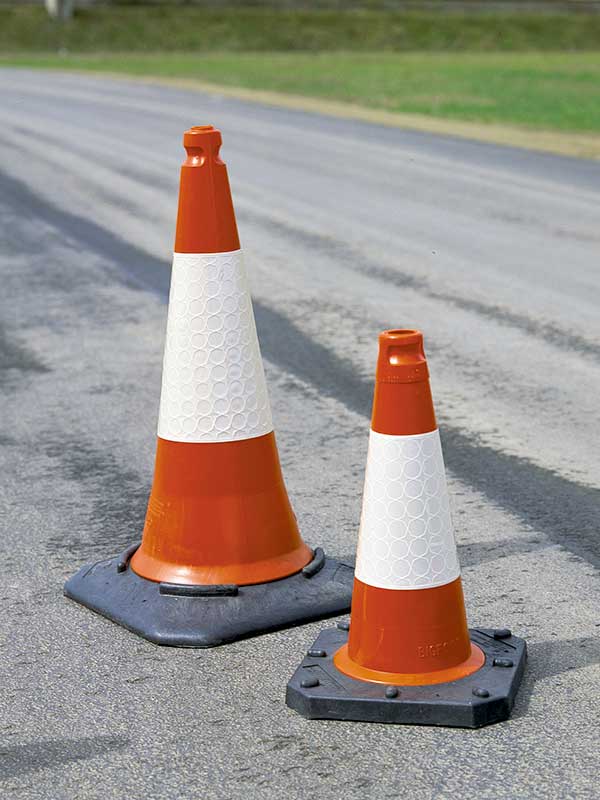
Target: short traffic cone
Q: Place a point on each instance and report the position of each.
(221, 556)
(409, 656)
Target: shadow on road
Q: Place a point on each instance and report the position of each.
(474, 553)
(549, 659)
(25, 758)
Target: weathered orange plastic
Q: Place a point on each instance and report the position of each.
(205, 218)
(402, 402)
(218, 512)
(406, 636)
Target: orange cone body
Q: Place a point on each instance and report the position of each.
(219, 511)
(221, 557)
(407, 656)
(409, 624)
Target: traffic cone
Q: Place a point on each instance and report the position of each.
(221, 556)
(409, 656)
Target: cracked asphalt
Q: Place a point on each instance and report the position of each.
(348, 228)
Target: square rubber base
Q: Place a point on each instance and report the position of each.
(206, 616)
(318, 690)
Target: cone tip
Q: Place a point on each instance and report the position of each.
(205, 219)
(401, 356)
(202, 136)
(402, 336)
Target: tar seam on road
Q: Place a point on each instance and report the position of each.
(357, 262)
(564, 510)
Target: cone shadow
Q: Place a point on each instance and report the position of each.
(23, 759)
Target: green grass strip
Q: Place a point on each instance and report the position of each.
(185, 27)
(553, 91)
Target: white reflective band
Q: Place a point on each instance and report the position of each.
(213, 385)
(406, 539)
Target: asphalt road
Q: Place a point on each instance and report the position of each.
(348, 228)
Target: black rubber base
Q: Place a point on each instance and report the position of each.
(318, 690)
(206, 616)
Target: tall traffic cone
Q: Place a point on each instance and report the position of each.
(409, 656)
(221, 556)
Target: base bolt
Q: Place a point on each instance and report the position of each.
(480, 692)
(391, 692)
(503, 662)
(309, 683)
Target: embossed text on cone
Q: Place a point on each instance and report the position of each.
(221, 556)
(409, 656)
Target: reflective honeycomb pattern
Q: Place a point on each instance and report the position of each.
(406, 539)
(213, 385)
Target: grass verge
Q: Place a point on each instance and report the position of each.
(536, 91)
(188, 27)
